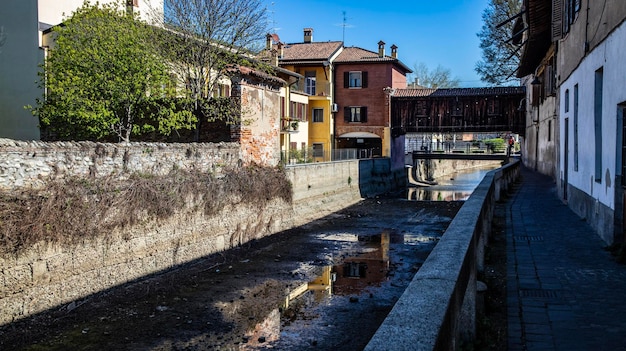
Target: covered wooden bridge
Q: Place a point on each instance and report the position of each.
(458, 110)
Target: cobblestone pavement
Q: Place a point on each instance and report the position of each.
(564, 290)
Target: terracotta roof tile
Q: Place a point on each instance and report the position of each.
(310, 51)
(399, 93)
(357, 55)
(354, 54)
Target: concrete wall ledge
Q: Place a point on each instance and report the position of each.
(438, 309)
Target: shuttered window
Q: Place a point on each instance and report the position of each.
(355, 79)
(355, 114)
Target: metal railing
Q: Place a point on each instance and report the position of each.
(310, 155)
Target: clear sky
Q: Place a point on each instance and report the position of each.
(435, 32)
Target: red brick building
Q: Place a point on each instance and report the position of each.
(364, 81)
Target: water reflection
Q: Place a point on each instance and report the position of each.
(456, 187)
(427, 194)
(353, 274)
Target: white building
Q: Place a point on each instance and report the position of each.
(592, 91)
(21, 54)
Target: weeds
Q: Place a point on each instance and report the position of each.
(78, 209)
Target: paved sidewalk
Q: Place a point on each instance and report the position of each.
(564, 291)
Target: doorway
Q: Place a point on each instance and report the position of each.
(619, 235)
(566, 160)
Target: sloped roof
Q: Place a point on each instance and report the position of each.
(359, 55)
(310, 51)
(539, 19)
(409, 93)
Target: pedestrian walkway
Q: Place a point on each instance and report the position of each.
(564, 291)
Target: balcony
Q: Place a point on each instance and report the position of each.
(319, 89)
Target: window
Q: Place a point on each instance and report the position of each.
(576, 127)
(355, 114)
(309, 82)
(221, 90)
(318, 150)
(597, 116)
(355, 79)
(282, 107)
(354, 270)
(549, 130)
(570, 12)
(566, 102)
(297, 111)
(318, 115)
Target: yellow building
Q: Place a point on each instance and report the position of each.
(313, 62)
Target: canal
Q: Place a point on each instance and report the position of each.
(324, 286)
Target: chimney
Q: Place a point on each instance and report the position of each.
(308, 35)
(394, 51)
(268, 42)
(381, 49)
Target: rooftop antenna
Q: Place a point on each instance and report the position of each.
(344, 24)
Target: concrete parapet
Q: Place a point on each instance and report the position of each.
(438, 309)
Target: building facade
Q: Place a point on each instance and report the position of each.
(365, 81)
(314, 62)
(592, 104)
(572, 64)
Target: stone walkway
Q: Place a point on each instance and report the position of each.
(564, 291)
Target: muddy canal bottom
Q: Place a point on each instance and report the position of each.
(325, 286)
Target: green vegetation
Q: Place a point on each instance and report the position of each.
(104, 80)
(496, 145)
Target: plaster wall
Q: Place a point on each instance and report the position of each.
(20, 57)
(609, 56)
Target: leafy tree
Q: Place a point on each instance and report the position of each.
(207, 40)
(104, 80)
(439, 77)
(500, 56)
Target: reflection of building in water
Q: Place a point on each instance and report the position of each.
(367, 269)
(427, 194)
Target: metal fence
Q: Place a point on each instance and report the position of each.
(309, 155)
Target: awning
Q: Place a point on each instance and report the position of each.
(360, 135)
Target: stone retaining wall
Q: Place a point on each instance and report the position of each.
(33, 163)
(56, 276)
(437, 311)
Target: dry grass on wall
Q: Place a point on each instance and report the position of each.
(71, 211)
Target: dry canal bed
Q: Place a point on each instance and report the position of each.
(325, 286)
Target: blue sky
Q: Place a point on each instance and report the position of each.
(435, 32)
